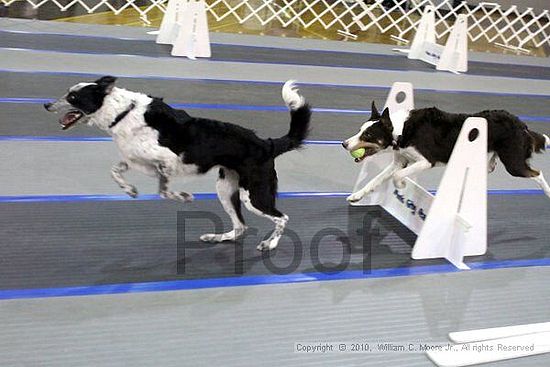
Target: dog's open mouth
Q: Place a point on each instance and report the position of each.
(69, 119)
(368, 152)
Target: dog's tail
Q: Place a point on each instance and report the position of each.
(300, 115)
(538, 141)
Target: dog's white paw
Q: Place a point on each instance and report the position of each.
(355, 197)
(211, 237)
(182, 197)
(399, 183)
(268, 245)
(187, 198)
(131, 191)
(232, 235)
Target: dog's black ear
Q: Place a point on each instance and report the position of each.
(386, 120)
(107, 83)
(374, 114)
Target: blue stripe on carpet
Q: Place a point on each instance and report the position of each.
(176, 285)
(238, 107)
(210, 196)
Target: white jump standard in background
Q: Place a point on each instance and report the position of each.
(453, 56)
(185, 26)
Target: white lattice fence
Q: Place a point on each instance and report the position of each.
(508, 27)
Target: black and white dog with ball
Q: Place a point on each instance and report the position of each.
(164, 142)
(429, 136)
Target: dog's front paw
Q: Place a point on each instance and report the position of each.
(187, 197)
(267, 245)
(211, 237)
(182, 197)
(131, 191)
(355, 197)
(399, 183)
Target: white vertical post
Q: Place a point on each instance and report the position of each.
(169, 26)
(455, 54)
(456, 225)
(193, 39)
(424, 33)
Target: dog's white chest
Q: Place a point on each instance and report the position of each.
(137, 144)
(140, 148)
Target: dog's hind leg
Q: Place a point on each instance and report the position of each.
(259, 198)
(539, 179)
(227, 187)
(116, 173)
(252, 201)
(164, 192)
(517, 166)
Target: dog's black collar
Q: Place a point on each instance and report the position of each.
(122, 115)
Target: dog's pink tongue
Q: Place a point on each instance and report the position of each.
(69, 119)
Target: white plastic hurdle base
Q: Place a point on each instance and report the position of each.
(453, 56)
(185, 26)
(482, 346)
(453, 224)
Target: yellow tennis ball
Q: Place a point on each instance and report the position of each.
(358, 153)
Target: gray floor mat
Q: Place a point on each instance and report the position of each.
(82, 243)
(66, 43)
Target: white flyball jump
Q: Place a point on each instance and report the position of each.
(453, 56)
(453, 224)
(185, 26)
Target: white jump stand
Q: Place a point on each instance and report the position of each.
(453, 56)
(475, 347)
(185, 26)
(452, 224)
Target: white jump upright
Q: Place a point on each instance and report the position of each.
(457, 222)
(453, 56)
(185, 26)
(452, 224)
(169, 25)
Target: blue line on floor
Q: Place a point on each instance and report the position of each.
(206, 106)
(69, 139)
(211, 196)
(276, 83)
(149, 197)
(178, 285)
(55, 138)
(238, 107)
